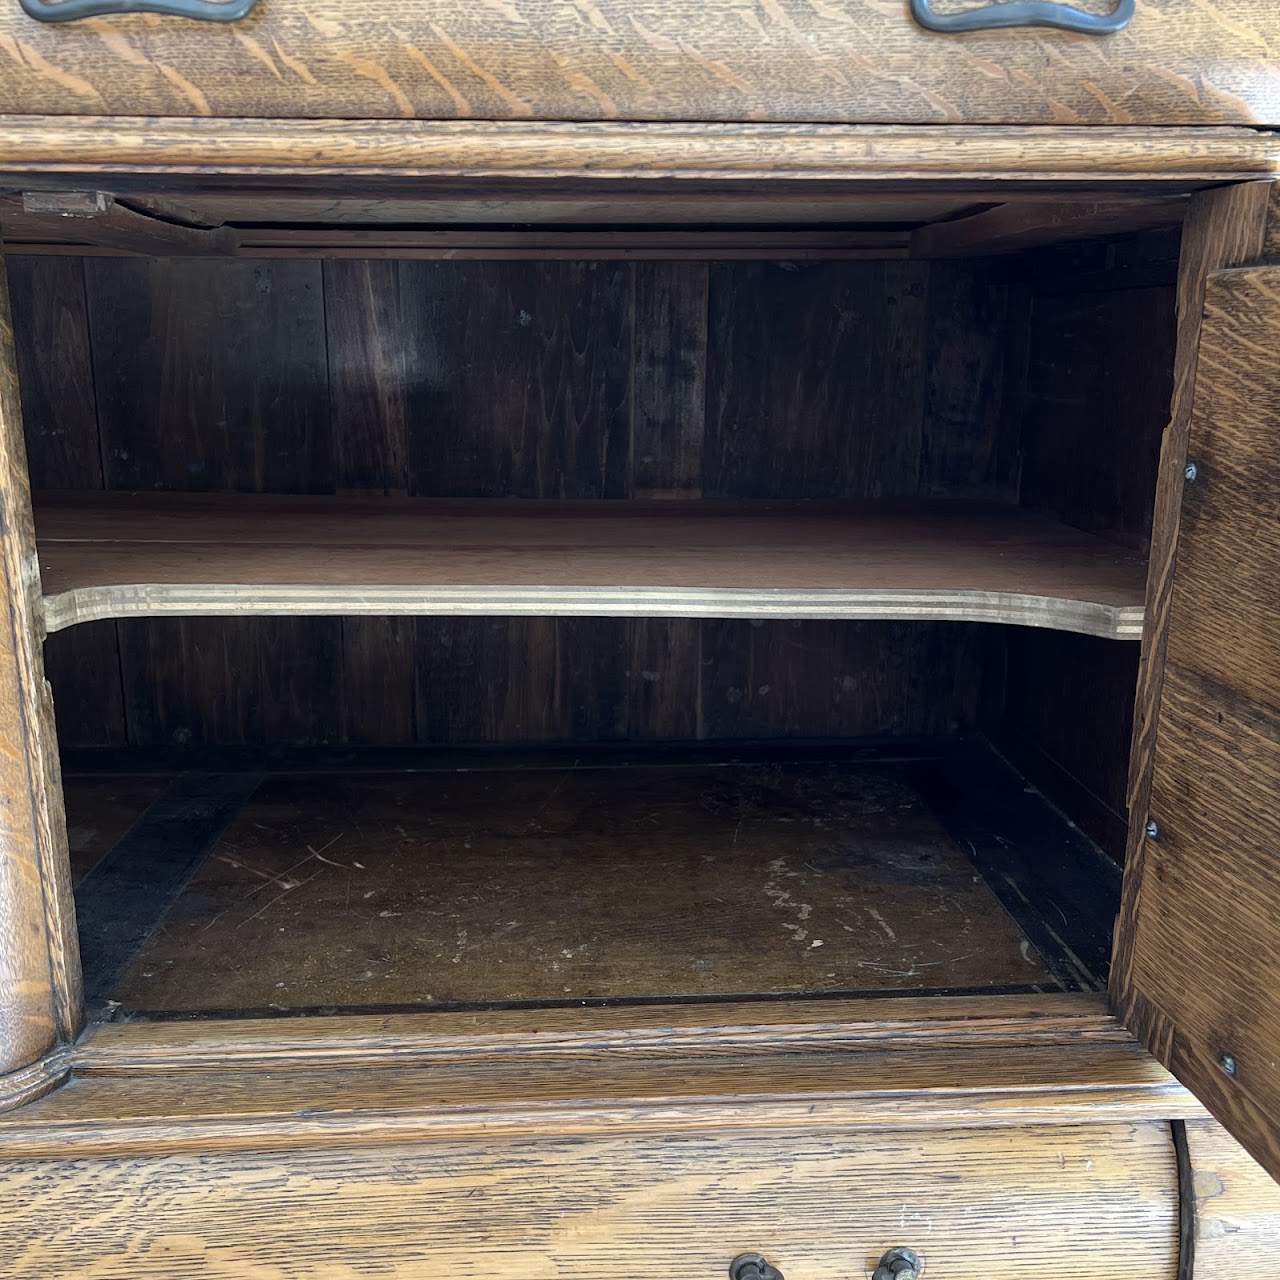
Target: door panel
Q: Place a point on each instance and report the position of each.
(1201, 978)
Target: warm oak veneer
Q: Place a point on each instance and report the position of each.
(1213, 62)
(1038, 1203)
(129, 555)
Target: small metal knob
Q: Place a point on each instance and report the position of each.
(898, 1264)
(753, 1266)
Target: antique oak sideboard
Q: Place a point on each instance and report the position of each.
(641, 639)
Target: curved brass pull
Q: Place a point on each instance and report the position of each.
(898, 1264)
(70, 10)
(1024, 13)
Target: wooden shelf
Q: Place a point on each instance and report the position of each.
(127, 555)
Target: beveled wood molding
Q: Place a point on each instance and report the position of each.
(916, 1088)
(701, 1030)
(36, 1079)
(217, 151)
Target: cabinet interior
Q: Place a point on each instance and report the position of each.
(487, 603)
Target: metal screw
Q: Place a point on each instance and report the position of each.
(753, 1266)
(1152, 829)
(1228, 1064)
(898, 1264)
(1190, 472)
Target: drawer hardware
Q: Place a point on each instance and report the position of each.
(70, 10)
(898, 1264)
(1024, 13)
(753, 1266)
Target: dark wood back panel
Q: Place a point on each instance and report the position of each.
(533, 379)
(1099, 334)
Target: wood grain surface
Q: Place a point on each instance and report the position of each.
(1200, 925)
(149, 555)
(39, 966)
(832, 1024)
(590, 158)
(492, 1097)
(1224, 228)
(1045, 1201)
(1237, 1205)
(547, 59)
(577, 883)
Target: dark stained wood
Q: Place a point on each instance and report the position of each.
(664, 678)
(1067, 723)
(234, 351)
(815, 380)
(528, 383)
(1098, 392)
(60, 426)
(668, 379)
(582, 882)
(97, 218)
(815, 679)
(376, 681)
(646, 61)
(531, 679)
(252, 680)
(968, 446)
(377, 357)
(55, 372)
(83, 666)
(1199, 936)
(1100, 357)
(1010, 228)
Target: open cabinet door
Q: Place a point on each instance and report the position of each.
(1197, 973)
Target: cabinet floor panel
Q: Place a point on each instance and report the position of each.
(598, 880)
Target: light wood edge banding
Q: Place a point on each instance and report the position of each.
(597, 152)
(94, 604)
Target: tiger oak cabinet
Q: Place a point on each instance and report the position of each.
(607, 606)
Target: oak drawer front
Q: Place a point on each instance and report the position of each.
(861, 61)
(1039, 1204)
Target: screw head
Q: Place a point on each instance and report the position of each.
(1152, 829)
(1190, 472)
(1228, 1064)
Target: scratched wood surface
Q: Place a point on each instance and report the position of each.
(1200, 925)
(655, 60)
(433, 889)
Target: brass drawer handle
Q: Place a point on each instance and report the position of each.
(1024, 13)
(898, 1264)
(70, 10)
(753, 1266)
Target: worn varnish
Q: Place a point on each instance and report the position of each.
(547, 60)
(569, 883)
(1198, 931)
